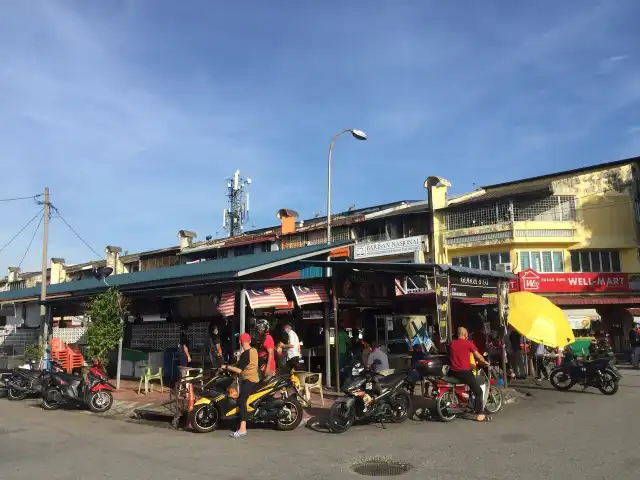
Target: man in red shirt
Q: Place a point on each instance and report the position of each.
(266, 355)
(460, 352)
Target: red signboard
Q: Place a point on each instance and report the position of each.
(532, 281)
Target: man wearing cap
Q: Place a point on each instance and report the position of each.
(247, 369)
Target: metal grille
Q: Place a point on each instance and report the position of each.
(545, 233)
(477, 216)
(339, 234)
(481, 237)
(559, 208)
(294, 241)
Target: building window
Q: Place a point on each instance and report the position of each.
(484, 261)
(596, 261)
(546, 261)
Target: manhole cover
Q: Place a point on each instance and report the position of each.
(381, 468)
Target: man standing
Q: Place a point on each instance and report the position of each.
(541, 369)
(634, 340)
(343, 347)
(266, 354)
(516, 353)
(292, 347)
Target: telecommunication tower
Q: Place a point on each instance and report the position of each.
(237, 212)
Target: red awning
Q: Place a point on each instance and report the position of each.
(593, 300)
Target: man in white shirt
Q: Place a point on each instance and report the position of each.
(378, 354)
(292, 347)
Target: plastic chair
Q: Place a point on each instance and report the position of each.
(311, 381)
(147, 376)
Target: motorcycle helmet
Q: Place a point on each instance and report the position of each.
(262, 325)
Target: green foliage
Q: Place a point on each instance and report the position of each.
(33, 352)
(107, 311)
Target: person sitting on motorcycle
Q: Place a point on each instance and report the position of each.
(247, 369)
(266, 352)
(460, 367)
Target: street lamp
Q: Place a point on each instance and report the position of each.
(358, 135)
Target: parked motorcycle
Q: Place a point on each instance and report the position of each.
(92, 390)
(24, 382)
(368, 396)
(274, 401)
(598, 373)
(455, 399)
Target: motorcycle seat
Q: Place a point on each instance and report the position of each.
(452, 380)
(390, 380)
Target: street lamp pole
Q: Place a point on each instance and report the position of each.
(358, 135)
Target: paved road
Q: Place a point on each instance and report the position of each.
(550, 435)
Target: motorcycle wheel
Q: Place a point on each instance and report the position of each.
(495, 401)
(400, 406)
(608, 384)
(442, 406)
(100, 402)
(338, 421)
(49, 404)
(204, 418)
(15, 395)
(295, 415)
(558, 380)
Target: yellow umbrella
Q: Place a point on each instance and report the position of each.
(539, 320)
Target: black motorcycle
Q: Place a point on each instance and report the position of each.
(598, 373)
(25, 382)
(369, 396)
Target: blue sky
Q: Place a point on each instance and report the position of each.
(135, 112)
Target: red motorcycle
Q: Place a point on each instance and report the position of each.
(455, 399)
(91, 390)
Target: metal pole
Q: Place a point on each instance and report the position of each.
(242, 307)
(327, 343)
(335, 336)
(119, 366)
(43, 287)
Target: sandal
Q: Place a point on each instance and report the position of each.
(487, 418)
(237, 435)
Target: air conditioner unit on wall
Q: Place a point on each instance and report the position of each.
(503, 267)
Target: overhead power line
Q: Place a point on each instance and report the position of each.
(21, 230)
(55, 209)
(32, 197)
(31, 241)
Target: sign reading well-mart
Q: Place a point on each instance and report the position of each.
(400, 246)
(536, 282)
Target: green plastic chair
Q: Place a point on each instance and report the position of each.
(147, 376)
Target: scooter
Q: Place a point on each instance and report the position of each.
(271, 402)
(454, 399)
(91, 390)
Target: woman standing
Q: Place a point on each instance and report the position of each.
(247, 369)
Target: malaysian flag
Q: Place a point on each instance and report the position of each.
(308, 295)
(267, 298)
(227, 303)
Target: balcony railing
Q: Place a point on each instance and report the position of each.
(558, 208)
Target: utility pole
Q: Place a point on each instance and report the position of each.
(43, 288)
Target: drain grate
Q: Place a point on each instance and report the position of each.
(381, 468)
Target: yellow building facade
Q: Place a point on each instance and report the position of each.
(574, 234)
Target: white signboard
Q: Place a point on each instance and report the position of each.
(399, 246)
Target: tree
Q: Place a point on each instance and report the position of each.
(33, 353)
(106, 311)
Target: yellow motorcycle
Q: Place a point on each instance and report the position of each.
(273, 401)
